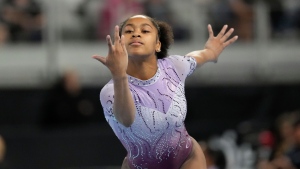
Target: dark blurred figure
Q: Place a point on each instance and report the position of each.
(284, 18)
(2, 149)
(266, 141)
(287, 154)
(160, 10)
(294, 154)
(3, 162)
(83, 11)
(23, 19)
(277, 16)
(114, 12)
(244, 17)
(66, 105)
(285, 136)
(4, 33)
(215, 159)
(290, 160)
(235, 13)
(292, 17)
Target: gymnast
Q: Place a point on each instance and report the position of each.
(144, 102)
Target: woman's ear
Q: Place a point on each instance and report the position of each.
(158, 46)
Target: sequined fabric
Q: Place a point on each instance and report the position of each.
(158, 137)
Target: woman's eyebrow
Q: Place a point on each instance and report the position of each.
(132, 25)
(146, 24)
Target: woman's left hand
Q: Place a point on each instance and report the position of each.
(216, 44)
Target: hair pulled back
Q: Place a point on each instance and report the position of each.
(165, 35)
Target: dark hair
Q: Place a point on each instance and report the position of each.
(165, 35)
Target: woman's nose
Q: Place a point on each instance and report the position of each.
(136, 35)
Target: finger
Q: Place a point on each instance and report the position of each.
(117, 37)
(101, 59)
(109, 43)
(222, 32)
(123, 44)
(226, 36)
(230, 41)
(210, 31)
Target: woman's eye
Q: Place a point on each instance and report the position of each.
(145, 31)
(128, 31)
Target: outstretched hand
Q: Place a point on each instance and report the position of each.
(117, 59)
(216, 44)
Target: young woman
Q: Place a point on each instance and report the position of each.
(144, 103)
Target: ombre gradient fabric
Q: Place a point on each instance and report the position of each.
(157, 139)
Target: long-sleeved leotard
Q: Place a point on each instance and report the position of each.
(157, 138)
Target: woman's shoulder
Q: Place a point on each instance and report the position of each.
(107, 89)
(171, 59)
(177, 59)
(183, 64)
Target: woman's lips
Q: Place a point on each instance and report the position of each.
(135, 43)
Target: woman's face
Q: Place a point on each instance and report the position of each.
(141, 37)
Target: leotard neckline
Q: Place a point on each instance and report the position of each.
(139, 82)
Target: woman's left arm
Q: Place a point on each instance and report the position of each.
(214, 46)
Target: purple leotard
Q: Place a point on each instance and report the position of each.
(157, 138)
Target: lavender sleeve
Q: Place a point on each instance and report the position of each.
(185, 65)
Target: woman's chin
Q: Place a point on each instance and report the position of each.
(137, 55)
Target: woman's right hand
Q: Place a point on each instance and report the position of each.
(117, 59)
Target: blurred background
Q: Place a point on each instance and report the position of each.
(242, 110)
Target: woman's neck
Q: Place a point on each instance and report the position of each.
(143, 70)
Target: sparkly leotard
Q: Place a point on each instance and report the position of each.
(158, 137)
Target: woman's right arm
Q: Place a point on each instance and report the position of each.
(124, 108)
(117, 62)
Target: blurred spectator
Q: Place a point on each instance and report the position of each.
(161, 10)
(277, 16)
(220, 13)
(2, 149)
(86, 11)
(4, 34)
(294, 154)
(244, 16)
(266, 144)
(3, 163)
(287, 154)
(158, 9)
(284, 18)
(24, 20)
(292, 13)
(114, 12)
(238, 14)
(290, 160)
(237, 154)
(66, 105)
(285, 139)
(215, 159)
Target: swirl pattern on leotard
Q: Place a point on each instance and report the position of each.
(158, 137)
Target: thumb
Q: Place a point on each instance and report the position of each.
(101, 59)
